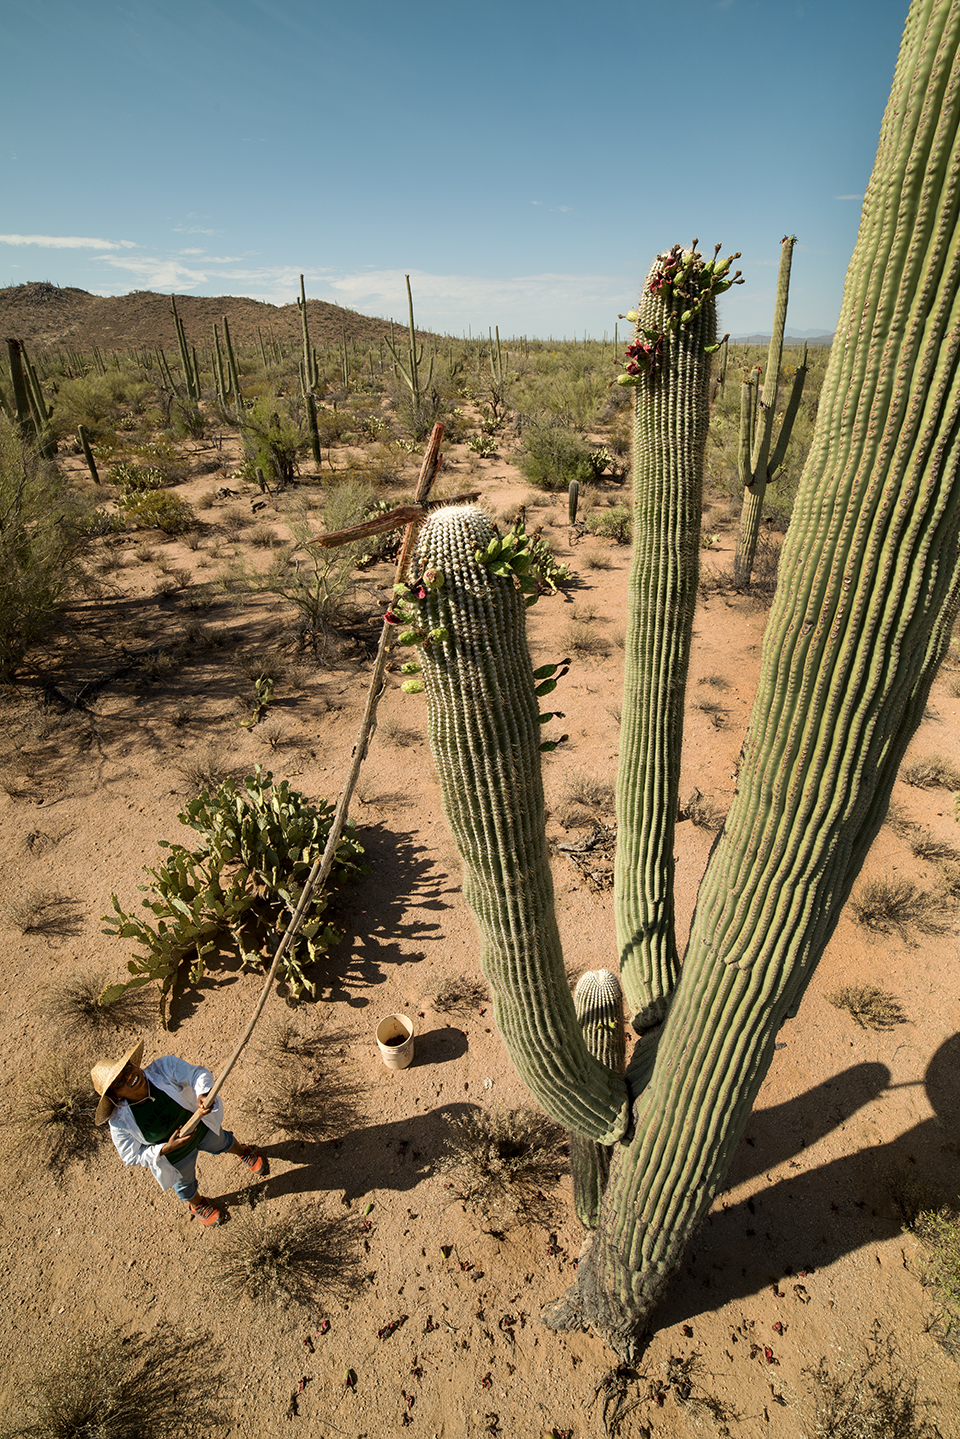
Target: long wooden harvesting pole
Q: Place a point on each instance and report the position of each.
(322, 866)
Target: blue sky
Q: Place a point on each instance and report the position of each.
(522, 161)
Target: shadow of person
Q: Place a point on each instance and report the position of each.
(393, 1156)
(818, 1214)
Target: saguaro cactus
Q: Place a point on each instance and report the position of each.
(869, 590)
(756, 464)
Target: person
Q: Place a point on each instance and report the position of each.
(146, 1109)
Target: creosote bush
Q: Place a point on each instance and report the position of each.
(872, 1008)
(551, 458)
(460, 994)
(501, 1162)
(141, 1386)
(283, 1259)
(296, 1093)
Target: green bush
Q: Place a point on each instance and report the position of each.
(551, 458)
(613, 524)
(159, 510)
(236, 890)
(272, 441)
(41, 538)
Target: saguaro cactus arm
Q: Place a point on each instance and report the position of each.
(868, 594)
(485, 734)
(756, 465)
(598, 1001)
(669, 364)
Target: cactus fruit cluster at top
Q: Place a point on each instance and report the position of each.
(681, 282)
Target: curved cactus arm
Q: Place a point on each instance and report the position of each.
(756, 467)
(868, 593)
(598, 1001)
(485, 735)
(669, 363)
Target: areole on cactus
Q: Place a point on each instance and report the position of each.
(869, 589)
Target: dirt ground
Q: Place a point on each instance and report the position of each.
(802, 1256)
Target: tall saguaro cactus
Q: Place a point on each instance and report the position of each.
(869, 590)
(759, 459)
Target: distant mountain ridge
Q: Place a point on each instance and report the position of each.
(795, 337)
(45, 316)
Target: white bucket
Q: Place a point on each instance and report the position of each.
(395, 1041)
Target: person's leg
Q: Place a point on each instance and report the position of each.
(227, 1143)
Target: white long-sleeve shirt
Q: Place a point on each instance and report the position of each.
(182, 1082)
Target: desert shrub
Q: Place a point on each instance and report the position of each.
(613, 524)
(206, 768)
(872, 1008)
(938, 1234)
(93, 399)
(314, 579)
(874, 1400)
(50, 1121)
(284, 1259)
(596, 560)
(272, 440)
(131, 478)
(38, 909)
(551, 458)
(159, 510)
(41, 542)
(933, 772)
(898, 906)
(123, 1386)
(73, 1004)
(236, 889)
(500, 1163)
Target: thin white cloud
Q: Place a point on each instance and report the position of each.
(67, 242)
(848, 197)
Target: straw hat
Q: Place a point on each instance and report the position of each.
(103, 1074)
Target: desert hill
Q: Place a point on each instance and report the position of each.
(46, 316)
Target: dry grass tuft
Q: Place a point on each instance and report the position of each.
(938, 1234)
(933, 772)
(876, 1400)
(51, 1118)
(460, 994)
(73, 1004)
(590, 793)
(206, 768)
(296, 1093)
(897, 906)
(579, 639)
(141, 1386)
(872, 1008)
(284, 1259)
(392, 730)
(499, 1163)
(925, 845)
(38, 910)
(596, 560)
(703, 811)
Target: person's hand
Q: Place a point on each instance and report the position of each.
(202, 1106)
(174, 1142)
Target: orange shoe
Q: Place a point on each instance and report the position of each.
(254, 1160)
(206, 1213)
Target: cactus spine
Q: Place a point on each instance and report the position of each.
(757, 467)
(485, 734)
